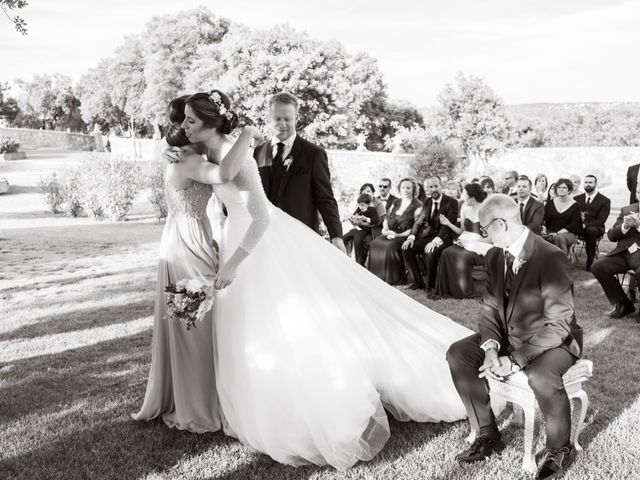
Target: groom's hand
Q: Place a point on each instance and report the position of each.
(490, 362)
(339, 244)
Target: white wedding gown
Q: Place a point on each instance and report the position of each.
(311, 347)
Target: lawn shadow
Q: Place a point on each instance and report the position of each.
(82, 320)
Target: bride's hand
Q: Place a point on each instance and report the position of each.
(255, 134)
(172, 154)
(225, 277)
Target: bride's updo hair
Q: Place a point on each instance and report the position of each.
(175, 136)
(214, 109)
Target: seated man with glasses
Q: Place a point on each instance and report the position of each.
(527, 322)
(386, 196)
(510, 179)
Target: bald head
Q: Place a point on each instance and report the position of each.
(499, 206)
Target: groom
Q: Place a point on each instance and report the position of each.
(295, 172)
(527, 322)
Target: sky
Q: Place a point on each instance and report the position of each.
(527, 51)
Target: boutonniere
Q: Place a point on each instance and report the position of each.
(287, 162)
(517, 265)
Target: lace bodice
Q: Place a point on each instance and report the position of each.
(188, 202)
(246, 204)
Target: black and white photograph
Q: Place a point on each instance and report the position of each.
(319, 241)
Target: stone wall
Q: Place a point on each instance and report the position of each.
(31, 139)
(609, 164)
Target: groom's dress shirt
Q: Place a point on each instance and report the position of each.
(514, 249)
(288, 145)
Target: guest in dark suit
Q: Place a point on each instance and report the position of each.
(625, 256)
(363, 219)
(632, 181)
(562, 220)
(527, 322)
(594, 209)
(510, 179)
(385, 256)
(428, 236)
(531, 210)
(386, 196)
(295, 172)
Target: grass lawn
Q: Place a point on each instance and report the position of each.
(76, 299)
(75, 316)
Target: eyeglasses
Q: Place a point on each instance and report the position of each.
(384, 186)
(484, 230)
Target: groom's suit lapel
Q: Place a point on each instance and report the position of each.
(295, 154)
(527, 252)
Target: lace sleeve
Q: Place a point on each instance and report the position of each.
(248, 180)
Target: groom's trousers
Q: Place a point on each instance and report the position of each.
(545, 379)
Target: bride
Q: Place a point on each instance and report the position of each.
(311, 348)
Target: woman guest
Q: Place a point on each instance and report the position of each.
(457, 261)
(488, 185)
(385, 254)
(562, 220)
(541, 187)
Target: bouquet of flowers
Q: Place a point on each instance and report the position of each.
(188, 301)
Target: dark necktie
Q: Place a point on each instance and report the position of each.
(277, 160)
(588, 201)
(522, 212)
(508, 277)
(276, 175)
(434, 215)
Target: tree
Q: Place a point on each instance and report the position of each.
(50, 99)
(9, 108)
(473, 114)
(337, 91)
(18, 22)
(170, 46)
(111, 93)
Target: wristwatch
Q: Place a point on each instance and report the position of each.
(515, 368)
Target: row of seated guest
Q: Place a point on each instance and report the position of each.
(385, 256)
(429, 236)
(359, 238)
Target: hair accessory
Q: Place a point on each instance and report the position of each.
(217, 101)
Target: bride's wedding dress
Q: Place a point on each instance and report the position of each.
(311, 348)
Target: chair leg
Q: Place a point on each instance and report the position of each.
(529, 461)
(579, 418)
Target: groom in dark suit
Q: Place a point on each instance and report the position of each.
(295, 172)
(527, 322)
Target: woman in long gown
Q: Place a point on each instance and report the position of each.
(457, 261)
(181, 386)
(385, 252)
(311, 347)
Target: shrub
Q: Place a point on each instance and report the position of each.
(53, 192)
(108, 187)
(71, 191)
(8, 145)
(435, 158)
(156, 190)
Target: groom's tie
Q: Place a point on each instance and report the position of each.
(276, 174)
